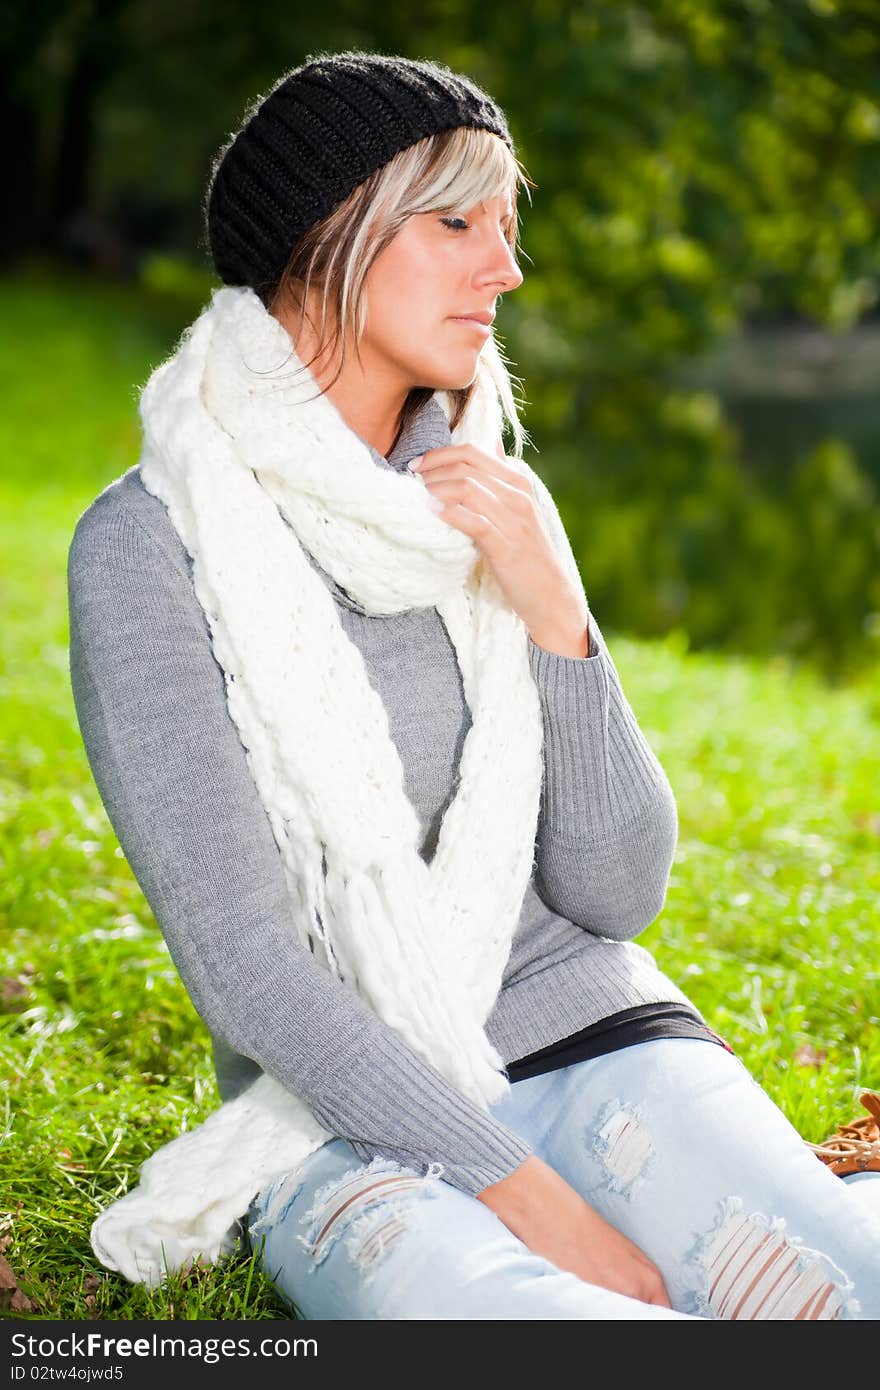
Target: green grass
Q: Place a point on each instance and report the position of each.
(770, 922)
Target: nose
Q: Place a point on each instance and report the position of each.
(500, 267)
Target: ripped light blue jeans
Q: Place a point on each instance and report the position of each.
(671, 1141)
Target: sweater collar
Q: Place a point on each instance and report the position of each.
(428, 429)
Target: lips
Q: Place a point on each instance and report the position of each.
(483, 316)
(475, 325)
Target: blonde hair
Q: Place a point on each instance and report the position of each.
(445, 172)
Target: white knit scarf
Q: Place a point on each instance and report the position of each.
(255, 468)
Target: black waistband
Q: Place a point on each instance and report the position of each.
(622, 1029)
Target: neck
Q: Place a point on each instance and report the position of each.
(373, 414)
(368, 393)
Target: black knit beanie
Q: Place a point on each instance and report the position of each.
(321, 130)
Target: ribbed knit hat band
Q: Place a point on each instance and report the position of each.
(322, 129)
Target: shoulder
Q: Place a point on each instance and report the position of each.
(126, 565)
(124, 525)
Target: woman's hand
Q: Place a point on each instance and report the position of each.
(548, 1216)
(494, 504)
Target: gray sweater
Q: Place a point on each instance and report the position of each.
(172, 773)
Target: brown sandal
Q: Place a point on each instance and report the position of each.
(854, 1148)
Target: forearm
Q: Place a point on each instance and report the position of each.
(565, 634)
(608, 824)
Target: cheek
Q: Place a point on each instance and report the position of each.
(405, 317)
(412, 288)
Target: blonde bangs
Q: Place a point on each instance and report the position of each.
(457, 170)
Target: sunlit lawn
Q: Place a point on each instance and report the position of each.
(771, 919)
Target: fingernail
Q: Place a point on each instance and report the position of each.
(435, 504)
(415, 463)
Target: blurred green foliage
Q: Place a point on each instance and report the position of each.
(705, 169)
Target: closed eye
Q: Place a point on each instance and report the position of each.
(464, 225)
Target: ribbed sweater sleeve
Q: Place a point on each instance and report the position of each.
(608, 823)
(173, 777)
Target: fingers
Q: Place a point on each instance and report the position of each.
(477, 490)
(484, 494)
(483, 505)
(459, 459)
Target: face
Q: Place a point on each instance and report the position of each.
(438, 269)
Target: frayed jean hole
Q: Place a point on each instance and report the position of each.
(623, 1146)
(337, 1186)
(373, 1234)
(275, 1202)
(349, 1204)
(754, 1271)
(352, 1218)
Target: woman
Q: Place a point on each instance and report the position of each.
(368, 755)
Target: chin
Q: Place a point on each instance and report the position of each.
(446, 379)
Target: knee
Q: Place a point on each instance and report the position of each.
(368, 1208)
(751, 1269)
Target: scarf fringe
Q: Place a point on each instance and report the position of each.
(168, 1221)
